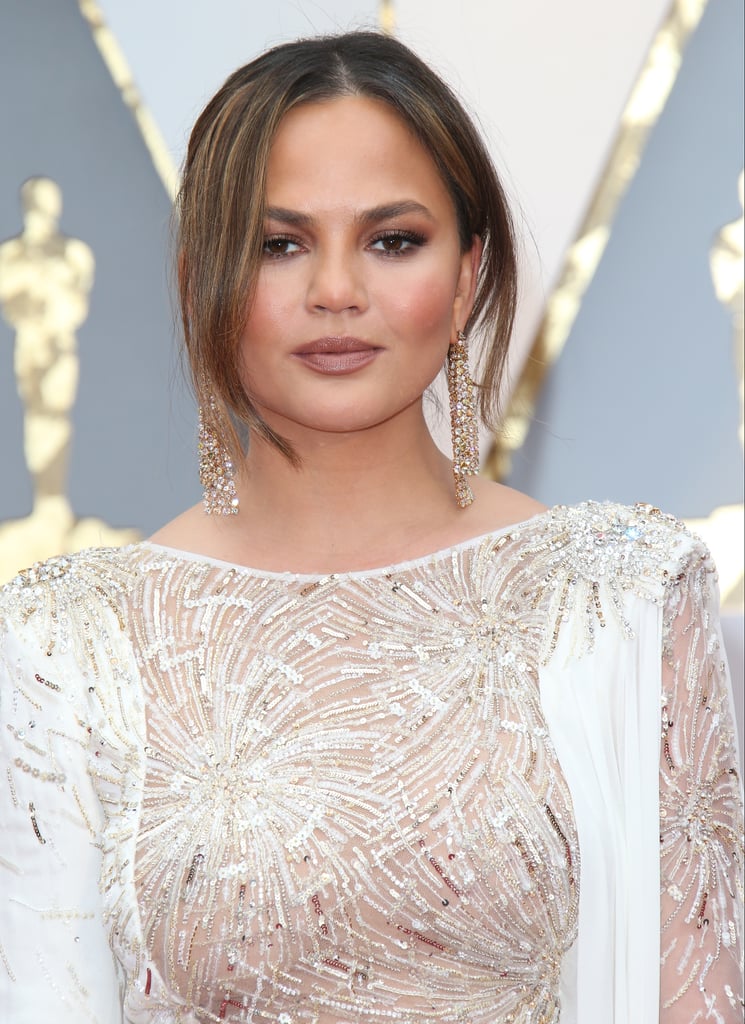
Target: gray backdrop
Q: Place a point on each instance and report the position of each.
(62, 116)
(642, 404)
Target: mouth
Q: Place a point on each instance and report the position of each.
(336, 355)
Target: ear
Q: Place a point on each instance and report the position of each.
(465, 291)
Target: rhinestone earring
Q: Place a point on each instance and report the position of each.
(215, 465)
(463, 420)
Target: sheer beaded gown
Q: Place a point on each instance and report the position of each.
(497, 785)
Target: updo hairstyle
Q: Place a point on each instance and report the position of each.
(221, 204)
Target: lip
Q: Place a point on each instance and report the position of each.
(336, 355)
(334, 343)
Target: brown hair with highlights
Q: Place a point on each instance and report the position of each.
(221, 202)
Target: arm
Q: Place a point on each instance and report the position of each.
(700, 813)
(55, 962)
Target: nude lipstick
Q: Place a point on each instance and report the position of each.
(336, 355)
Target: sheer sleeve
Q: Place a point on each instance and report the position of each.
(700, 813)
(55, 961)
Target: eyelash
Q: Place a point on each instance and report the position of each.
(278, 238)
(413, 238)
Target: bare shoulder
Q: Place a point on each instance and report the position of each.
(175, 530)
(496, 506)
(191, 531)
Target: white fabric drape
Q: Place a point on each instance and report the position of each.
(604, 720)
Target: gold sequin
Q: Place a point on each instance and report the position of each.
(335, 798)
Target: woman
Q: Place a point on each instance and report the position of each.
(286, 763)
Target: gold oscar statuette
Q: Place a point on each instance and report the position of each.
(45, 283)
(724, 529)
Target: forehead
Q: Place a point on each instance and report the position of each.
(349, 149)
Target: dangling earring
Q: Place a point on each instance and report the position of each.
(463, 421)
(215, 465)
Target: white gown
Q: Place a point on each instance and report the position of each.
(494, 785)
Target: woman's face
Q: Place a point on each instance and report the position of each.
(363, 283)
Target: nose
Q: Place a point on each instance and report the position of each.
(336, 281)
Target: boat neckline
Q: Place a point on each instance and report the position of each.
(375, 571)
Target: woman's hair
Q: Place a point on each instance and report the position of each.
(222, 201)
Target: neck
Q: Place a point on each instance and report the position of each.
(387, 485)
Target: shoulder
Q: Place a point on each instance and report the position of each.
(634, 544)
(181, 531)
(70, 602)
(593, 567)
(497, 506)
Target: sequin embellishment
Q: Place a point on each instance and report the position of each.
(335, 799)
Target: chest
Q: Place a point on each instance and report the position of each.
(342, 786)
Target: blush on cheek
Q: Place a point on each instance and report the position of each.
(425, 310)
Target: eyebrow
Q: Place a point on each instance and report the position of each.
(377, 213)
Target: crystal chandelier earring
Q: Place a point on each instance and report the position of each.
(463, 420)
(215, 465)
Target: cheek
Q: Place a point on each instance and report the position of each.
(425, 306)
(266, 328)
(269, 310)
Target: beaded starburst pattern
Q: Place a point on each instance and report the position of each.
(335, 798)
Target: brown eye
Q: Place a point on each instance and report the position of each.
(394, 243)
(279, 246)
(397, 243)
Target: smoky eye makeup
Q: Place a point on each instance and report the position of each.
(396, 241)
(277, 245)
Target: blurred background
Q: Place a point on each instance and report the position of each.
(618, 128)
